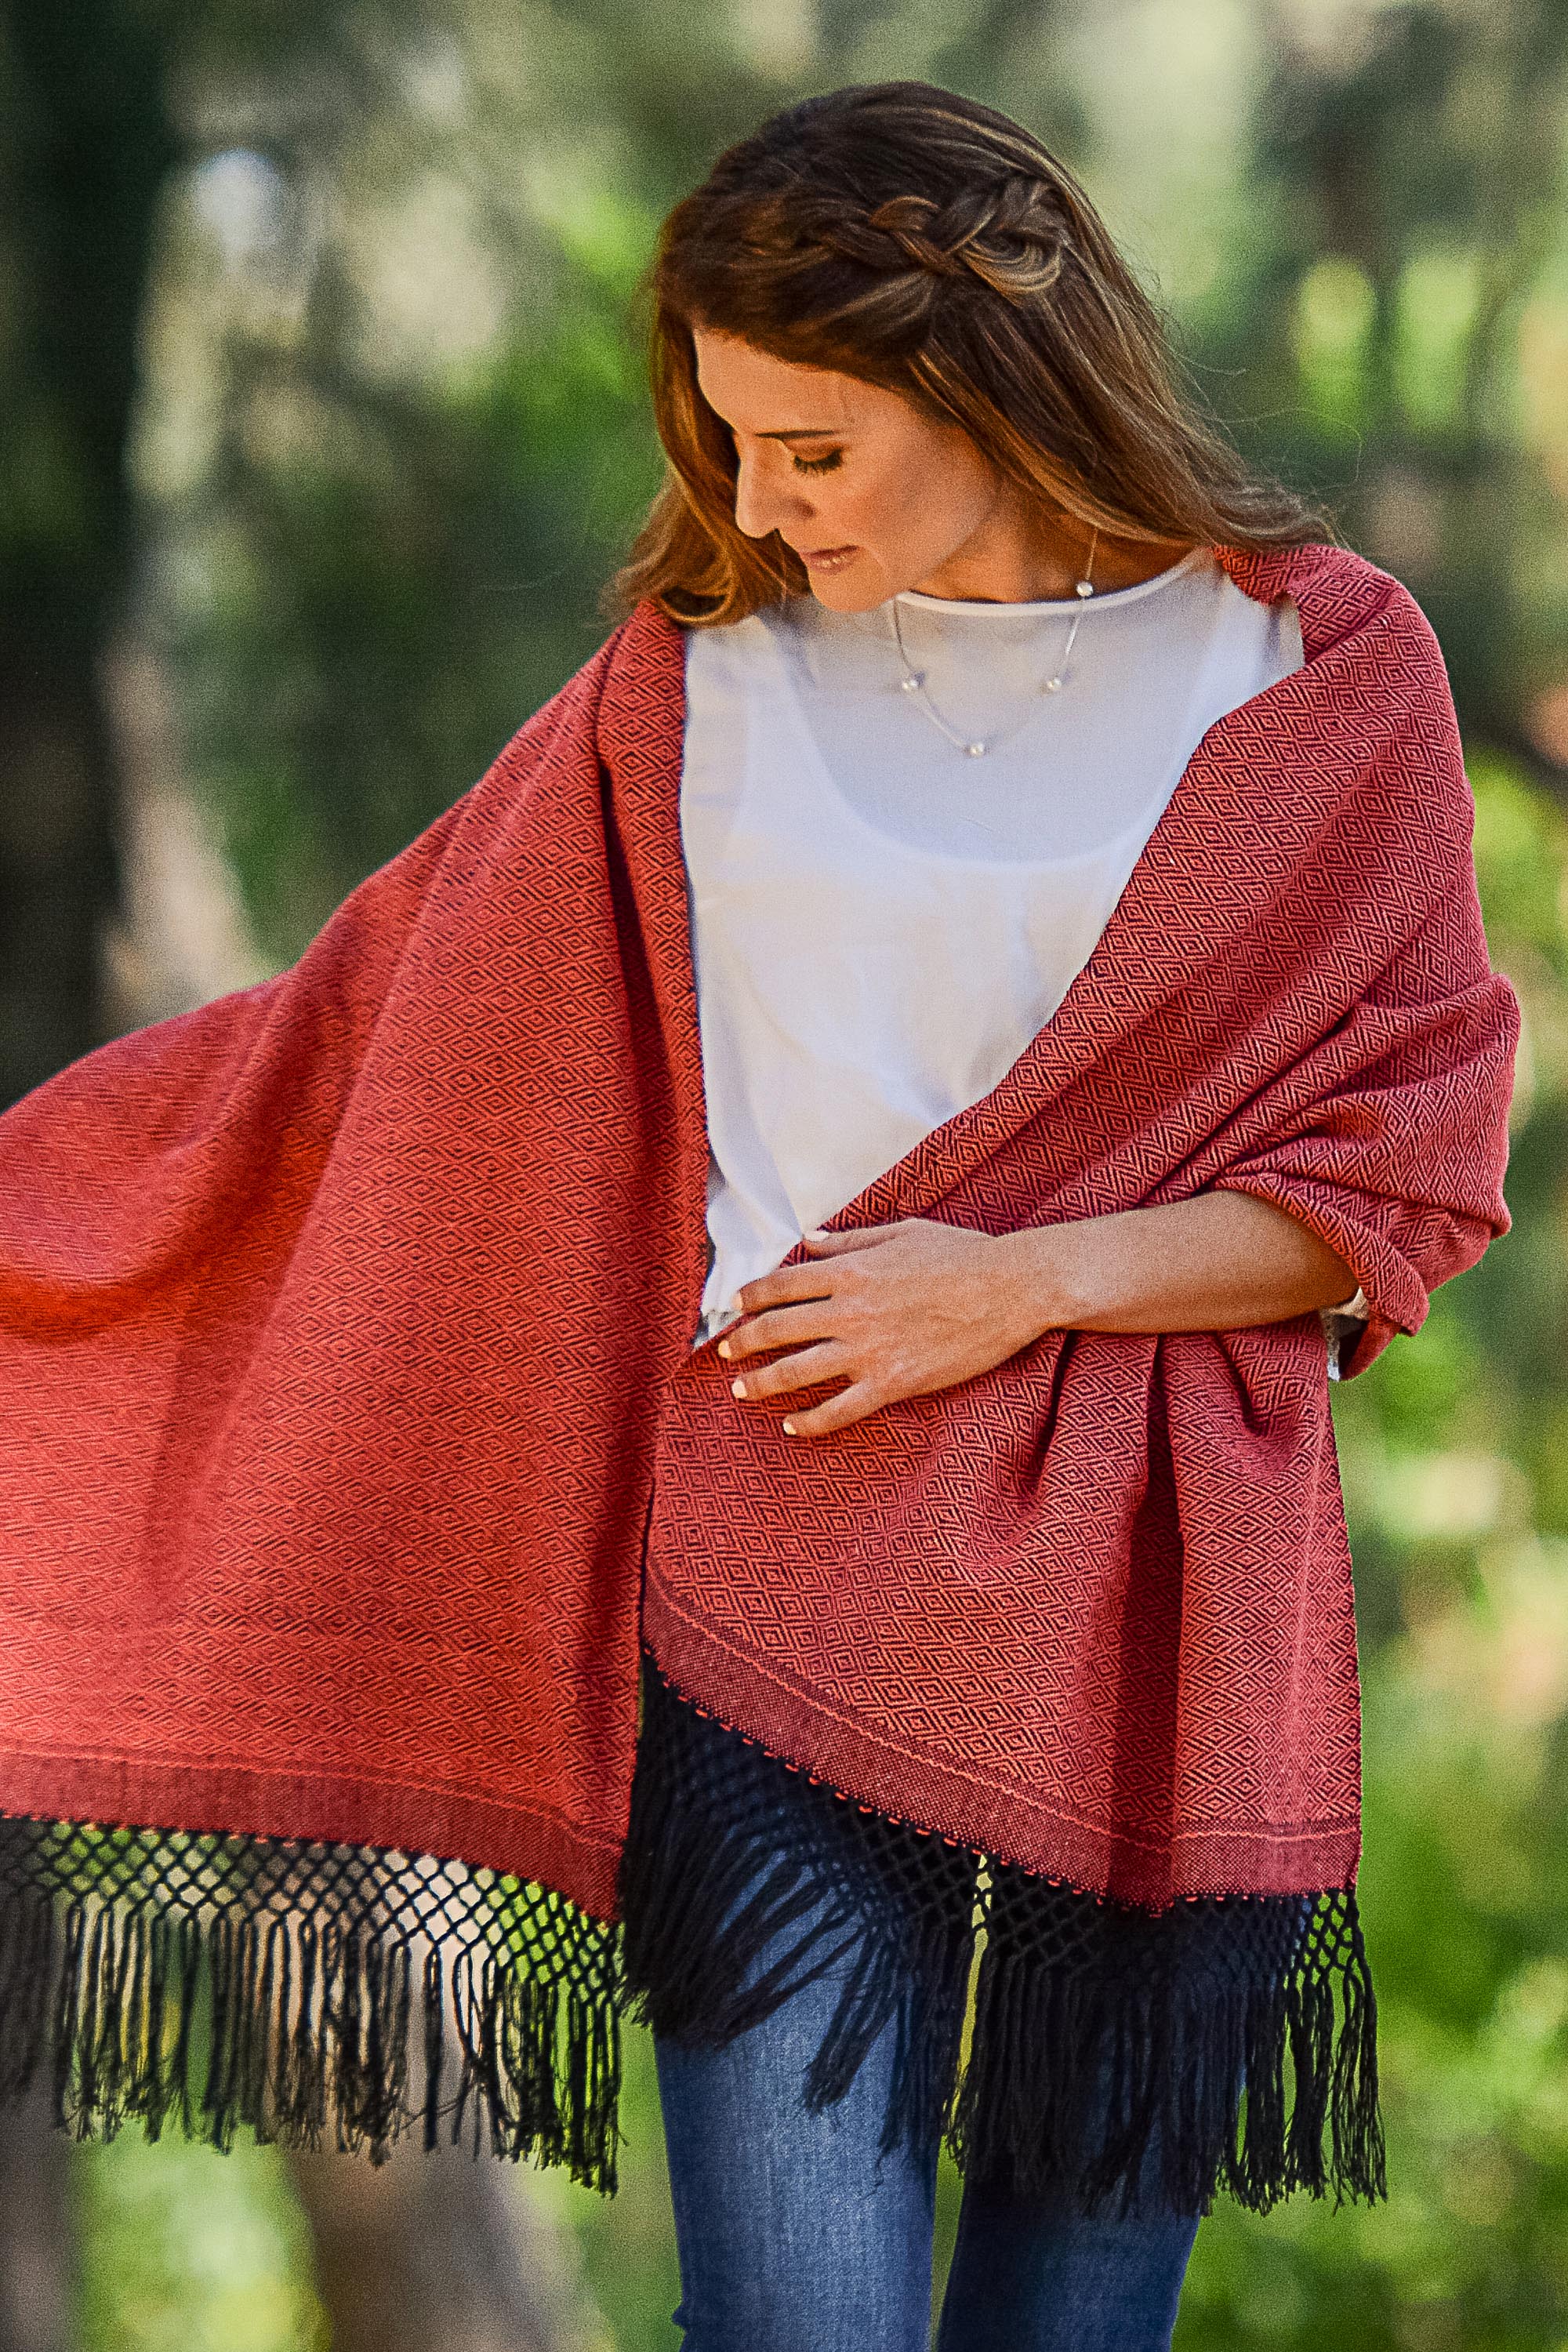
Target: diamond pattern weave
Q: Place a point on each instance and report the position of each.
(345, 1323)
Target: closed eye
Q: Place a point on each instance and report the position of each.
(818, 464)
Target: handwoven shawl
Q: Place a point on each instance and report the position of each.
(355, 1438)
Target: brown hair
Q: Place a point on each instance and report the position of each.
(915, 239)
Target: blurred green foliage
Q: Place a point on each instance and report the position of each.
(390, 438)
(1451, 1448)
(188, 2252)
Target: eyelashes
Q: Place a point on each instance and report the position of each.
(819, 465)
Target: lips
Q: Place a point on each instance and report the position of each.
(825, 554)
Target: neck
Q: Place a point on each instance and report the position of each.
(1020, 560)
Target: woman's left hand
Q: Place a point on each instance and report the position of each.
(893, 1310)
(898, 1310)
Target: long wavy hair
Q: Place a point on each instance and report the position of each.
(915, 239)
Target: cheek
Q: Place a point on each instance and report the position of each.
(885, 506)
(914, 510)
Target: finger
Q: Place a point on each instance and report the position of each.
(851, 1405)
(803, 1369)
(786, 1283)
(858, 1237)
(809, 1281)
(780, 1326)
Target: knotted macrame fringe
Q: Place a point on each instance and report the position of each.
(182, 1996)
(1120, 2060)
(343, 1997)
(1119, 2096)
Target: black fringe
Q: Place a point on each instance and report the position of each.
(341, 1997)
(319, 1997)
(1119, 2060)
(1152, 2083)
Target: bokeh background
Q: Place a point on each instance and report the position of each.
(321, 422)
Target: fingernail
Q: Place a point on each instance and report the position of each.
(724, 1349)
(737, 1388)
(789, 1429)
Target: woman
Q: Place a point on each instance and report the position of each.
(831, 1169)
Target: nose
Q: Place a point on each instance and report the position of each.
(762, 506)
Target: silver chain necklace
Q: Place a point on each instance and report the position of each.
(913, 680)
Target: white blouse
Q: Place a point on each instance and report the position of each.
(881, 923)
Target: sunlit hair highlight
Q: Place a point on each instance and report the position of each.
(917, 240)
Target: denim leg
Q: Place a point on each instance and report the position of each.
(1034, 2276)
(794, 2234)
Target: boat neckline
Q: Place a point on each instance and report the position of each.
(1101, 597)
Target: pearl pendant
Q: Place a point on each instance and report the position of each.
(913, 681)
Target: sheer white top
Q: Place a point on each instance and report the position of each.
(881, 923)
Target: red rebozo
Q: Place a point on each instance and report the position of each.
(353, 1432)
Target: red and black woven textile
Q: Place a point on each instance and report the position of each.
(354, 1438)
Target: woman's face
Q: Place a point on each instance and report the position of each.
(871, 493)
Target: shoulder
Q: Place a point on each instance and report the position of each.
(1380, 658)
(633, 687)
(1347, 600)
(1374, 701)
(1362, 628)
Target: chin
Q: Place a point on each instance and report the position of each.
(859, 588)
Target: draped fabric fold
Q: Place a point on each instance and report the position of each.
(356, 1436)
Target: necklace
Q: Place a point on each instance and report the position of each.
(913, 680)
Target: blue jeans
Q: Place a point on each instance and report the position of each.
(796, 2236)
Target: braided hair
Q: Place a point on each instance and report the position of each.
(917, 240)
(1009, 236)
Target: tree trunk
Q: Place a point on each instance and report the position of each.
(36, 2237)
(442, 2252)
(87, 146)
